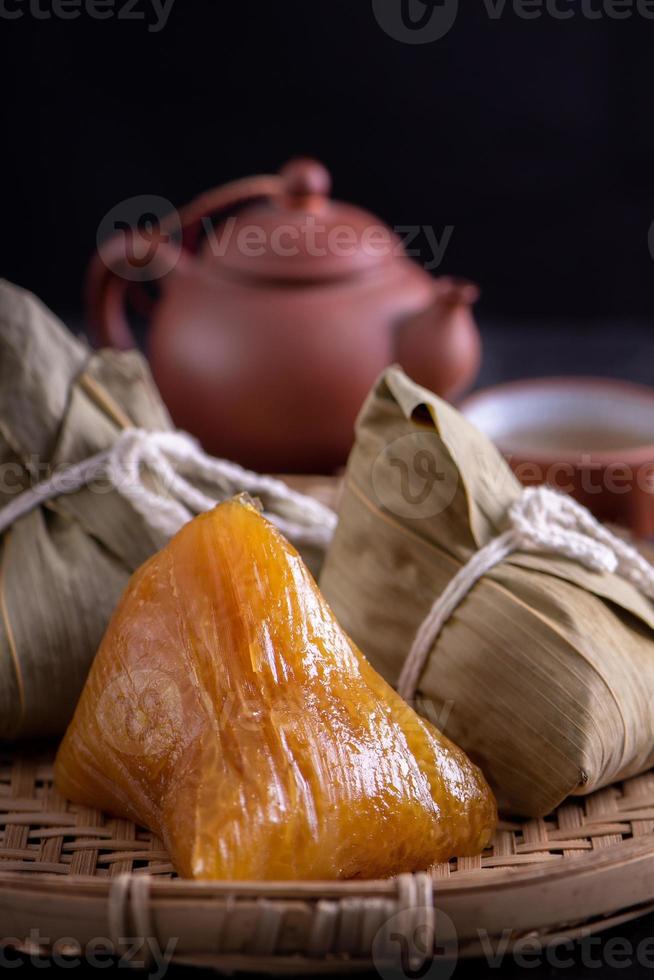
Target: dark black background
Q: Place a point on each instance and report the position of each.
(533, 138)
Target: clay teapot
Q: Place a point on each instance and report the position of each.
(268, 334)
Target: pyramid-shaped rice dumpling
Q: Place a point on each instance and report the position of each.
(228, 711)
(548, 666)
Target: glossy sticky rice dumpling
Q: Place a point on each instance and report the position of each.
(228, 711)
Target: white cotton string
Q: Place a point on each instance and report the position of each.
(172, 457)
(540, 520)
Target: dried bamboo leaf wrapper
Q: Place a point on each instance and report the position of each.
(127, 378)
(98, 508)
(64, 565)
(548, 668)
(58, 591)
(475, 487)
(34, 348)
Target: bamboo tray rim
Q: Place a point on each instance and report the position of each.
(584, 868)
(587, 865)
(493, 879)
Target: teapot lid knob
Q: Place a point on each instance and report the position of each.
(305, 179)
(288, 205)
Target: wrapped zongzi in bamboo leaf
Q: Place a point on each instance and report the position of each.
(64, 565)
(546, 668)
(65, 561)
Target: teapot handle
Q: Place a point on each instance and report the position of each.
(112, 278)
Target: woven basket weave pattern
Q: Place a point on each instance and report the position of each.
(42, 832)
(64, 867)
(586, 867)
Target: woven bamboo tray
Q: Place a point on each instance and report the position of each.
(70, 871)
(74, 872)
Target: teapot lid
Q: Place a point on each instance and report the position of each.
(300, 233)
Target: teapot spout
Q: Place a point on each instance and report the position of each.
(439, 347)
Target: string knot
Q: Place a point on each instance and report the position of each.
(165, 476)
(176, 458)
(540, 520)
(545, 520)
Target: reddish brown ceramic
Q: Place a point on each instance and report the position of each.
(591, 437)
(269, 333)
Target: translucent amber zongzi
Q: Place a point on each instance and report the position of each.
(228, 711)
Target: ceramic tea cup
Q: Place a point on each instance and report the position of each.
(591, 437)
